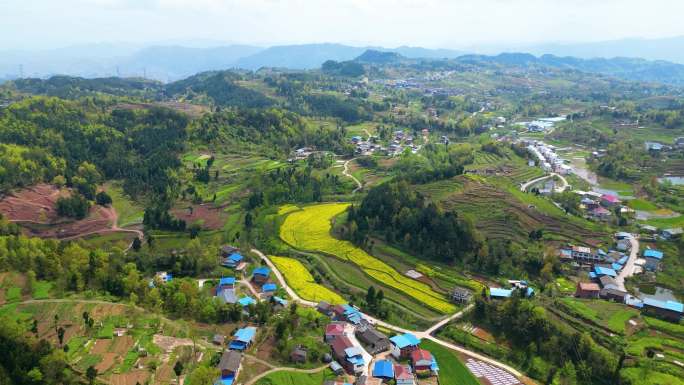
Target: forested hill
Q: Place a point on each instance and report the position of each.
(624, 68)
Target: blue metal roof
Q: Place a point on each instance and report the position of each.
(280, 300)
(600, 270)
(592, 275)
(228, 380)
(265, 271)
(246, 301)
(269, 287)
(652, 253)
(353, 351)
(404, 340)
(667, 305)
(498, 292)
(433, 366)
(227, 281)
(529, 292)
(235, 257)
(623, 260)
(245, 334)
(617, 266)
(383, 369)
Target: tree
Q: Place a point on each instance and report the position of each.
(91, 374)
(137, 244)
(103, 199)
(178, 368)
(248, 220)
(202, 375)
(60, 335)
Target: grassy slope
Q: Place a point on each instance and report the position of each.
(295, 378)
(451, 369)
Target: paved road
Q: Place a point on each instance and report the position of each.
(562, 188)
(628, 270)
(427, 334)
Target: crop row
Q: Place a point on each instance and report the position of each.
(302, 282)
(309, 229)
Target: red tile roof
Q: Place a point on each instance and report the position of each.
(340, 344)
(334, 328)
(589, 286)
(421, 355)
(402, 372)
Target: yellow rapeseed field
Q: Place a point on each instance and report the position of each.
(299, 279)
(309, 229)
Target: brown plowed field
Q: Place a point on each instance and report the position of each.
(34, 209)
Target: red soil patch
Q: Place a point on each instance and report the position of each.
(121, 345)
(101, 346)
(164, 374)
(266, 348)
(130, 378)
(212, 218)
(108, 360)
(34, 209)
(36, 204)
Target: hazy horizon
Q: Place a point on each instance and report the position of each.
(471, 25)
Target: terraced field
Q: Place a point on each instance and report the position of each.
(309, 229)
(500, 210)
(302, 282)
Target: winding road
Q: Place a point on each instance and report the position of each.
(562, 188)
(346, 173)
(427, 334)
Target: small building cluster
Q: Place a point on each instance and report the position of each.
(519, 286)
(547, 158)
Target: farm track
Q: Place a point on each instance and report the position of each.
(346, 173)
(427, 334)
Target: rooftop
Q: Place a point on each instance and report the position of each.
(405, 340)
(265, 271)
(589, 286)
(600, 270)
(245, 334)
(384, 369)
(652, 253)
(667, 305)
(499, 292)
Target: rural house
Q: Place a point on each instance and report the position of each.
(260, 275)
(613, 294)
(670, 310)
(383, 369)
(670, 234)
(460, 295)
(403, 375)
(587, 290)
(499, 293)
(374, 340)
(232, 261)
(423, 362)
(403, 345)
(298, 355)
(333, 331)
(325, 308)
(229, 366)
(243, 338)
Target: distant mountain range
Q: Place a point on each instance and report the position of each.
(173, 62)
(168, 63)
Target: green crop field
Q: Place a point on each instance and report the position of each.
(296, 378)
(129, 212)
(451, 369)
(301, 281)
(309, 229)
(614, 316)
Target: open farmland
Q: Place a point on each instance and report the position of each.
(300, 279)
(309, 229)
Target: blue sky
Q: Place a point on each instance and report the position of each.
(429, 23)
